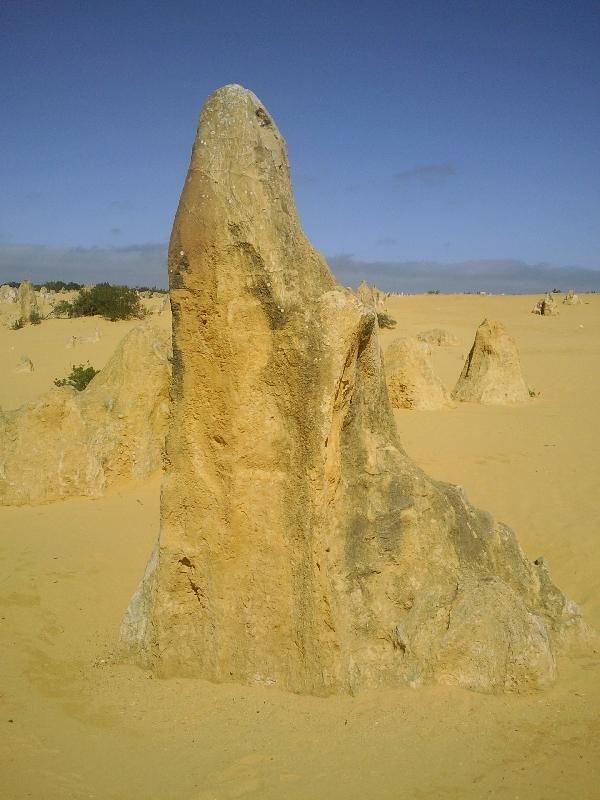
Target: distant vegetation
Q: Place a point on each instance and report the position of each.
(385, 321)
(151, 289)
(51, 286)
(103, 299)
(58, 286)
(72, 286)
(433, 291)
(79, 377)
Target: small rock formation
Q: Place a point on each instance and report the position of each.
(72, 342)
(372, 296)
(546, 307)
(8, 294)
(299, 545)
(411, 380)
(69, 443)
(492, 372)
(571, 299)
(27, 301)
(437, 337)
(24, 365)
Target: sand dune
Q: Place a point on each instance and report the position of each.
(77, 725)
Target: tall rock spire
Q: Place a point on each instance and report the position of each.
(299, 546)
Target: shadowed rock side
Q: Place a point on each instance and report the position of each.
(69, 443)
(299, 546)
(492, 372)
(411, 380)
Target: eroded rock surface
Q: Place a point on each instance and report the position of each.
(546, 307)
(27, 300)
(69, 443)
(299, 545)
(492, 372)
(372, 296)
(571, 299)
(8, 294)
(411, 380)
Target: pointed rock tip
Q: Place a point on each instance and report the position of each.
(231, 92)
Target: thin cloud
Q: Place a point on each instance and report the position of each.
(496, 276)
(425, 174)
(134, 265)
(146, 264)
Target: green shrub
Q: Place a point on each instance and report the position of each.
(58, 286)
(35, 317)
(433, 291)
(17, 324)
(151, 289)
(62, 309)
(385, 321)
(110, 302)
(79, 377)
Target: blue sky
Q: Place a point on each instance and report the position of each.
(417, 131)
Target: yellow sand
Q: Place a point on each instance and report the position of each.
(75, 725)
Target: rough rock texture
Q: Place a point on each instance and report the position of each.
(492, 372)
(571, 299)
(299, 545)
(546, 307)
(372, 296)
(411, 380)
(27, 300)
(8, 294)
(69, 443)
(438, 337)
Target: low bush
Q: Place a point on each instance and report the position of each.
(103, 299)
(79, 377)
(35, 318)
(151, 290)
(17, 324)
(59, 286)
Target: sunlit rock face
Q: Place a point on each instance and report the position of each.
(67, 443)
(299, 546)
(492, 372)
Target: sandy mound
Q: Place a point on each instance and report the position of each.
(69, 443)
(299, 545)
(437, 337)
(546, 307)
(492, 372)
(410, 378)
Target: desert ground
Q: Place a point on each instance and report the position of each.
(78, 725)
